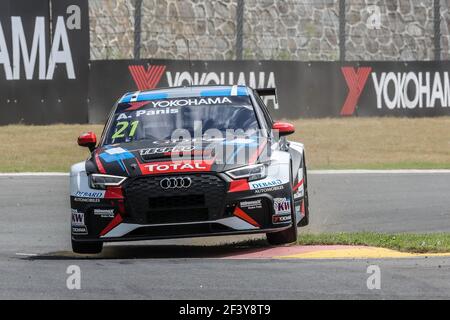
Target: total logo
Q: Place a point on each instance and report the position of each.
(176, 167)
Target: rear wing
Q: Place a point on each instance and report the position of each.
(262, 92)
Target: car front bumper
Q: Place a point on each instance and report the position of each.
(214, 205)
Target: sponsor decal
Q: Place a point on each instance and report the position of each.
(91, 200)
(150, 112)
(162, 150)
(116, 154)
(80, 230)
(265, 184)
(104, 213)
(170, 106)
(299, 193)
(264, 190)
(78, 225)
(190, 102)
(77, 218)
(251, 204)
(166, 167)
(115, 151)
(282, 206)
(281, 218)
(89, 194)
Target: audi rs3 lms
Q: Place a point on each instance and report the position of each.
(188, 162)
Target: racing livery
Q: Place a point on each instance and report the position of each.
(187, 162)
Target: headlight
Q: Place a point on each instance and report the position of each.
(253, 172)
(101, 181)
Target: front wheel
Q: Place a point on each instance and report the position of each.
(86, 247)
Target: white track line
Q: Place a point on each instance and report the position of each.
(313, 172)
(26, 254)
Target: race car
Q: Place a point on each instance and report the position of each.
(189, 162)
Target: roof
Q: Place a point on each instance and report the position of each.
(185, 92)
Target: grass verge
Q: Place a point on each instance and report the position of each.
(345, 143)
(405, 242)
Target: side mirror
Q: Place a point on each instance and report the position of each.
(88, 139)
(284, 128)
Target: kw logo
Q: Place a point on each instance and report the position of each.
(77, 218)
(146, 79)
(356, 80)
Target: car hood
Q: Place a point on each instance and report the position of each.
(165, 157)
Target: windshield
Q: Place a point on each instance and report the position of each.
(156, 120)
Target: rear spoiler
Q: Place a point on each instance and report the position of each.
(262, 92)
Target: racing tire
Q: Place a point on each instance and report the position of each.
(305, 221)
(288, 235)
(86, 247)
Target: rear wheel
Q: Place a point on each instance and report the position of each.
(289, 235)
(86, 247)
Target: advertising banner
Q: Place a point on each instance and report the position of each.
(305, 89)
(44, 60)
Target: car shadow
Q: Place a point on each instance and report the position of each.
(161, 251)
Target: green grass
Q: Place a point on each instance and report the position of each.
(345, 143)
(405, 242)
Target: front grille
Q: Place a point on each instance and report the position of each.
(147, 203)
(177, 215)
(184, 201)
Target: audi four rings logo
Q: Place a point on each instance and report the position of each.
(175, 183)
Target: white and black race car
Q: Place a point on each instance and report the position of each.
(188, 162)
